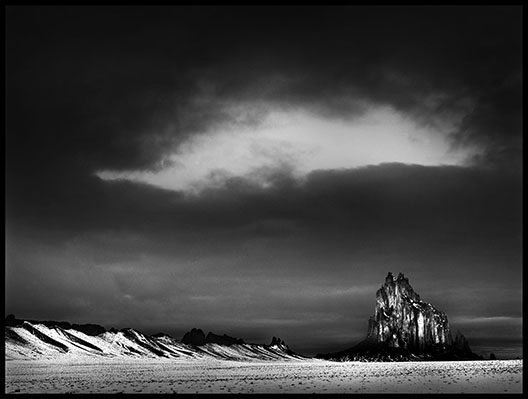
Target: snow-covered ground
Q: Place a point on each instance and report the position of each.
(129, 375)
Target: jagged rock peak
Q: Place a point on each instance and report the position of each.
(276, 341)
(402, 320)
(194, 337)
(400, 285)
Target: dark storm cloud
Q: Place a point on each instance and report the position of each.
(97, 87)
(411, 198)
(90, 88)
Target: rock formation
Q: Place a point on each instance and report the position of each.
(404, 327)
(194, 337)
(402, 320)
(197, 337)
(277, 342)
(460, 343)
(222, 339)
(25, 340)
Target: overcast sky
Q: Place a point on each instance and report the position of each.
(258, 171)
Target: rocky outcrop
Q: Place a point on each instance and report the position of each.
(222, 339)
(277, 342)
(194, 337)
(461, 347)
(404, 327)
(40, 342)
(12, 321)
(197, 337)
(402, 320)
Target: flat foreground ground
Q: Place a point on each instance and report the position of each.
(169, 376)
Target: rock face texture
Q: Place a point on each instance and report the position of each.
(402, 320)
(404, 327)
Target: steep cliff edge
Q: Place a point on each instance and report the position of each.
(404, 327)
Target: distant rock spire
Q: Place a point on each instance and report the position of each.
(461, 344)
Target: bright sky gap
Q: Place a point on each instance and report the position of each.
(303, 143)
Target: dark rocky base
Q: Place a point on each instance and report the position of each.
(371, 351)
